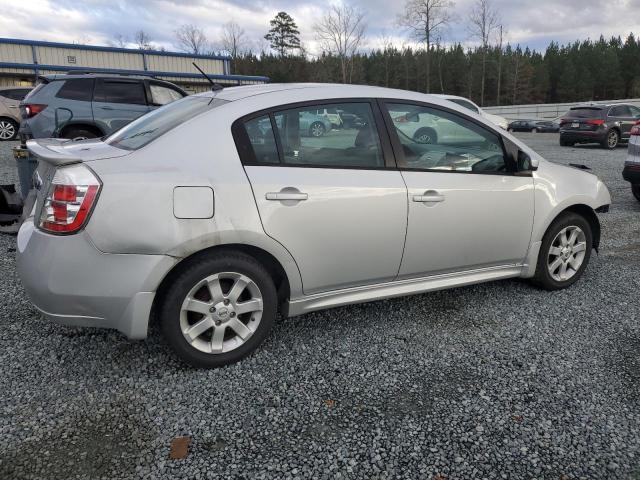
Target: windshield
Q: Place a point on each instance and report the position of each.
(585, 112)
(158, 122)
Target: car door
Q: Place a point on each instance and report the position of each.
(467, 209)
(117, 102)
(331, 200)
(625, 118)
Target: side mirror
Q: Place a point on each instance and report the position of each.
(526, 163)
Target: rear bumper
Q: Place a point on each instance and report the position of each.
(583, 136)
(631, 173)
(72, 283)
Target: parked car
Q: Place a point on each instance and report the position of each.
(80, 106)
(330, 114)
(216, 241)
(607, 124)
(631, 171)
(533, 126)
(469, 105)
(10, 98)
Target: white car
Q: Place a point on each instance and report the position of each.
(256, 216)
(469, 105)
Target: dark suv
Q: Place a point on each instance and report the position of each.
(90, 105)
(607, 124)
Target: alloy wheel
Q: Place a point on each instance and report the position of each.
(221, 312)
(612, 139)
(7, 130)
(317, 130)
(566, 253)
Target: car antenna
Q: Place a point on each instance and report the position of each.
(214, 86)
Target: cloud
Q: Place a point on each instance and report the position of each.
(534, 24)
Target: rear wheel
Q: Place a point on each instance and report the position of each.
(564, 253)
(219, 309)
(317, 129)
(534, 130)
(77, 134)
(612, 139)
(636, 191)
(8, 129)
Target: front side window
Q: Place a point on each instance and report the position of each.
(635, 111)
(156, 123)
(161, 95)
(438, 140)
(310, 139)
(117, 91)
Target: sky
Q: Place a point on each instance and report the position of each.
(533, 23)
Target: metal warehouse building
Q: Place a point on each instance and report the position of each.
(21, 61)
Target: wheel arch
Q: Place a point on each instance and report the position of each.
(269, 261)
(84, 125)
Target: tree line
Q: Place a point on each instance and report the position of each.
(491, 72)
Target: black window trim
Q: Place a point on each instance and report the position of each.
(399, 152)
(247, 155)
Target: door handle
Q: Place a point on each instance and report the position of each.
(280, 196)
(13, 106)
(429, 196)
(107, 108)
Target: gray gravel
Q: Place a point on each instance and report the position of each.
(492, 381)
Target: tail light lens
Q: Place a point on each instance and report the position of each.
(597, 121)
(635, 130)
(32, 109)
(70, 200)
(564, 121)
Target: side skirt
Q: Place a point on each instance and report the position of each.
(399, 288)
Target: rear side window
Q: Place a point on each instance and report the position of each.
(147, 128)
(118, 91)
(585, 112)
(77, 89)
(465, 104)
(620, 111)
(15, 94)
(39, 86)
(262, 139)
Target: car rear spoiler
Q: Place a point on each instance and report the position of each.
(50, 150)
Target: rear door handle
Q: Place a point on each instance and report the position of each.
(429, 196)
(280, 196)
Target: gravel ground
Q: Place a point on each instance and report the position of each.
(498, 380)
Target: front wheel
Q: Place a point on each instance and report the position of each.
(635, 188)
(219, 309)
(317, 129)
(565, 252)
(8, 129)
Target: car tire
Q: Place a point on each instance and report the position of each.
(221, 336)
(8, 130)
(565, 143)
(77, 134)
(426, 135)
(562, 261)
(510, 130)
(317, 129)
(534, 130)
(635, 188)
(611, 140)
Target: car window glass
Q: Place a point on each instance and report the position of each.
(438, 140)
(77, 89)
(465, 104)
(585, 112)
(16, 94)
(161, 95)
(620, 111)
(310, 139)
(156, 123)
(635, 111)
(262, 139)
(111, 91)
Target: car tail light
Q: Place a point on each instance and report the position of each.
(70, 200)
(564, 121)
(596, 121)
(635, 130)
(32, 109)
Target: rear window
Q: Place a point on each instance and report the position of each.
(585, 112)
(158, 122)
(77, 89)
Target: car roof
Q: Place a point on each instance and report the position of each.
(328, 91)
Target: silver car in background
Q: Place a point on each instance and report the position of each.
(254, 216)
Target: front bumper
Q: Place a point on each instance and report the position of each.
(73, 283)
(631, 173)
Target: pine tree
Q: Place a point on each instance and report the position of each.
(284, 35)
